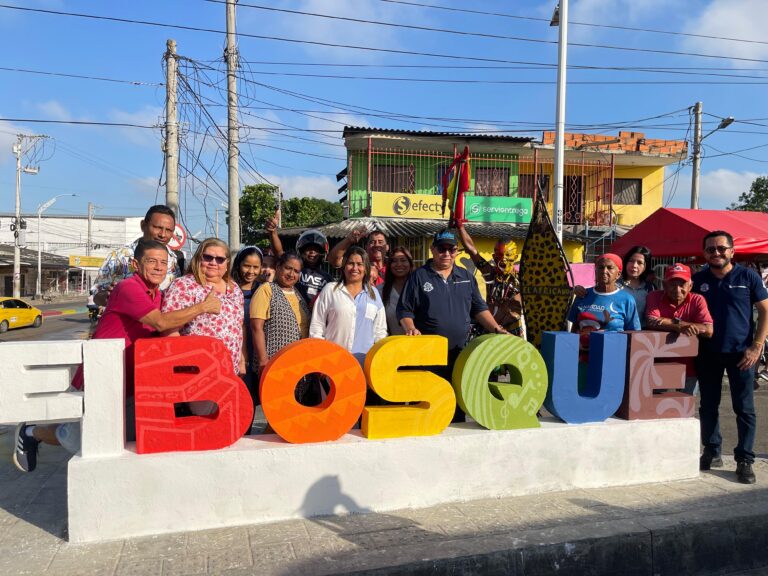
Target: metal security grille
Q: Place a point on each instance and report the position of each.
(587, 194)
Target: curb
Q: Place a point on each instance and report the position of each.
(734, 538)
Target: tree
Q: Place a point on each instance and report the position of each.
(259, 202)
(756, 200)
(310, 212)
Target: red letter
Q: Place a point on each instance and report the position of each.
(187, 369)
(334, 417)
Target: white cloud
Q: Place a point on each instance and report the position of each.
(335, 121)
(717, 189)
(54, 110)
(146, 116)
(331, 31)
(324, 187)
(730, 19)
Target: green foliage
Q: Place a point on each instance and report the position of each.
(756, 200)
(258, 203)
(310, 212)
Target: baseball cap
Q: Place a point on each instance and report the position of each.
(677, 270)
(444, 236)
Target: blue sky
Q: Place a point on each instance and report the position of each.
(118, 168)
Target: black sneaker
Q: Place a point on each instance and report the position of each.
(25, 453)
(707, 461)
(744, 473)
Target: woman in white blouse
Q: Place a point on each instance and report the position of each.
(350, 312)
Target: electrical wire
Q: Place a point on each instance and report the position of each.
(365, 48)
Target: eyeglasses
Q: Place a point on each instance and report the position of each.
(445, 248)
(211, 258)
(719, 249)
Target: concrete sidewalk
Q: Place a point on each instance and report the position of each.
(711, 525)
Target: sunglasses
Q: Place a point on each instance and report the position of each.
(445, 248)
(719, 249)
(211, 258)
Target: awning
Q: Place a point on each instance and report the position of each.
(679, 232)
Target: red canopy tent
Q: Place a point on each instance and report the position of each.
(678, 232)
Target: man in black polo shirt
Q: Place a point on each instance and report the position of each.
(442, 298)
(735, 347)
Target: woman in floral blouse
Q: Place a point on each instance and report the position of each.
(209, 271)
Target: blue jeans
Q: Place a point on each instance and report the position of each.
(710, 368)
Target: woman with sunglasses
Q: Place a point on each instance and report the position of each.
(209, 272)
(399, 267)
(246, 271)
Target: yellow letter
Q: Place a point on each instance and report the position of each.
(437, 402)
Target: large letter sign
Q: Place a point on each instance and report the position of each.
(646, 375)
(436, 400)
(593, 392)
(188, 369)
(336, 415)
(501, 406)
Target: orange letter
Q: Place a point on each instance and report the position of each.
(437, 400)
(335, 416)
(187, 369)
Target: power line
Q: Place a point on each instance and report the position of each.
(466, 33)
(526, 82)
(365, 48)
(571, 22)
(77, 122)
(80, 76)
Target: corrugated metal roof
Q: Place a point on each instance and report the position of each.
(29, 258)
(412, 228)
(352, 130)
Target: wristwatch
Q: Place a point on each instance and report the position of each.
(676, 321)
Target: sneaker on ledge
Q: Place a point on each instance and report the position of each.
(25, 451)
(744, 473)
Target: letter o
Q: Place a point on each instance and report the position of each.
(332, 418)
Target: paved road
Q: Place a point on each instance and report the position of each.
(63, 327)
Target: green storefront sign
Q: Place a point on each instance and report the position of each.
(498, 209)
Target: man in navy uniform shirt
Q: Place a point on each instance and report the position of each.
(731, 291)
(442, 298)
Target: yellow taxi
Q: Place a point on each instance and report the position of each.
(15, 313)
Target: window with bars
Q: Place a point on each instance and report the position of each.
(628, 191)
(393, 178)
(527, 189)
(491, 181)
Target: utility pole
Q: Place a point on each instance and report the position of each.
(90, 225)
(217, 222)
(171, 130)
(696, 156)
(18, 224)
(233, 137)
(697, 140)
(560, 18)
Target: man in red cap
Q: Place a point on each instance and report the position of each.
(677, 309)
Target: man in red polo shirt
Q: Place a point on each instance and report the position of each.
(133, 312)
(677, 309)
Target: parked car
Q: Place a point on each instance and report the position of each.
(15, 313)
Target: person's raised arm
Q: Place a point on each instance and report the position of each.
(171, 321)
(274, 238)
(336, 255)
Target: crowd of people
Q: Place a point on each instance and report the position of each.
(257, 301)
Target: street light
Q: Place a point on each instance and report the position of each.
(697, 139)
(560, 18)
(40, 209)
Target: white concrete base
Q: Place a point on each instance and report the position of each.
(263, 479)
